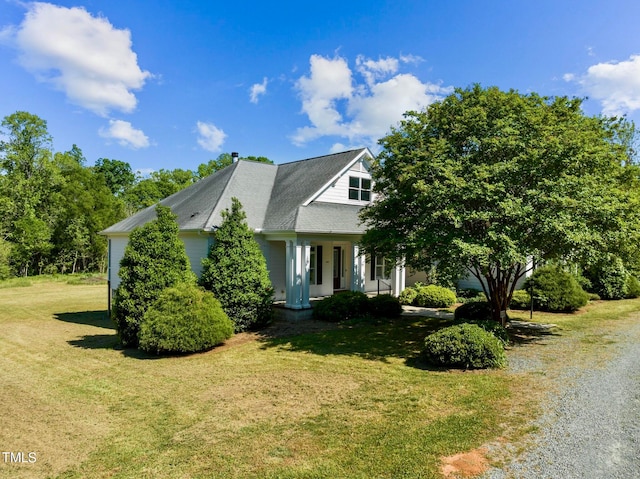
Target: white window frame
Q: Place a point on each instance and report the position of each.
(360, 192)
(313, 265)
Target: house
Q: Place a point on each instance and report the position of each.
(305, 218)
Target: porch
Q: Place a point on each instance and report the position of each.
(304, 269)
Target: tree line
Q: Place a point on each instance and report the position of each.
(53, 205)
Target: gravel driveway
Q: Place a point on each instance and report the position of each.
(591, 429)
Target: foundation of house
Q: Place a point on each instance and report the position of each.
(280, 312)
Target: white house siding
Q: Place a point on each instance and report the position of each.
(116, 252)
(471, 282)
(197, 247)
(373, 285)
(338, 192)
(275, 254)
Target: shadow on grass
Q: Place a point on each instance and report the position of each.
(99, 319)
(375, 339)
(525, 336)
(112, 342)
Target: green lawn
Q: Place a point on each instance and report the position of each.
(351, 402)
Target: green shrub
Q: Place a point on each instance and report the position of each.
(633, 287)
(479, 297)
(520, 300)
(608, 278)
(433, 296)
(384, 306)
(235, 271)
(468, 293)
(495, 328)
(594, 297)
(408, 295)
(473, 311)
(154, 259)
(341, 307)
(556, 290)
(184, 319)
(464, 346)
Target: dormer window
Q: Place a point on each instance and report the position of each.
(359, 188)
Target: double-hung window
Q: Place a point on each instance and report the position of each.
(359, 188)
(315, 265)
(380, 268)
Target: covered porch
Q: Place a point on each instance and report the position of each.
(306, 267)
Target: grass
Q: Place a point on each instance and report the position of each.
(351, 402)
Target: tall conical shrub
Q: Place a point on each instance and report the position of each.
(235, 271)
(154, 259)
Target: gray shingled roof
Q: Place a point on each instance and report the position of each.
(271, 195)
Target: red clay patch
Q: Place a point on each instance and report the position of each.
(465, 464)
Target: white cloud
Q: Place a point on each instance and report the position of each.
(86, 57)
(257, 90)
(363, 112)
(329, 81)
(372, 70)
(211, 138)
(615, 84)
(413, 59)
(125, 134)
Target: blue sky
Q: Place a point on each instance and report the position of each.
(172, 84)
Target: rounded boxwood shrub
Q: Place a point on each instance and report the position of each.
(556, 290)
(433, 296)
(184, 319)
(633, 287)
(608, 278)
(473, 311)
(520, 300)
(341, 307)
(493, 327)
(408, 295)
(464, 346)
(384, 306)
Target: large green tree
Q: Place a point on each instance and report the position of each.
(486, 180)
(87, 207)
(154, 259)
(159, 185)
(117, 175)
(235, 271)
(29, 186)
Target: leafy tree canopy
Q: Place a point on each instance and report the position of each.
(485, 180)
(117, 174)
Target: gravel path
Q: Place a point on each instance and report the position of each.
(591, 430)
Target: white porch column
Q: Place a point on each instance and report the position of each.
(292, 279)
(398, 278)
(297, 274)
(358, 277)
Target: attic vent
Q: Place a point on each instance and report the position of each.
(195, 214)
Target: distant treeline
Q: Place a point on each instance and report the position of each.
(52, 205)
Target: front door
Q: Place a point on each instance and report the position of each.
(337, 267)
